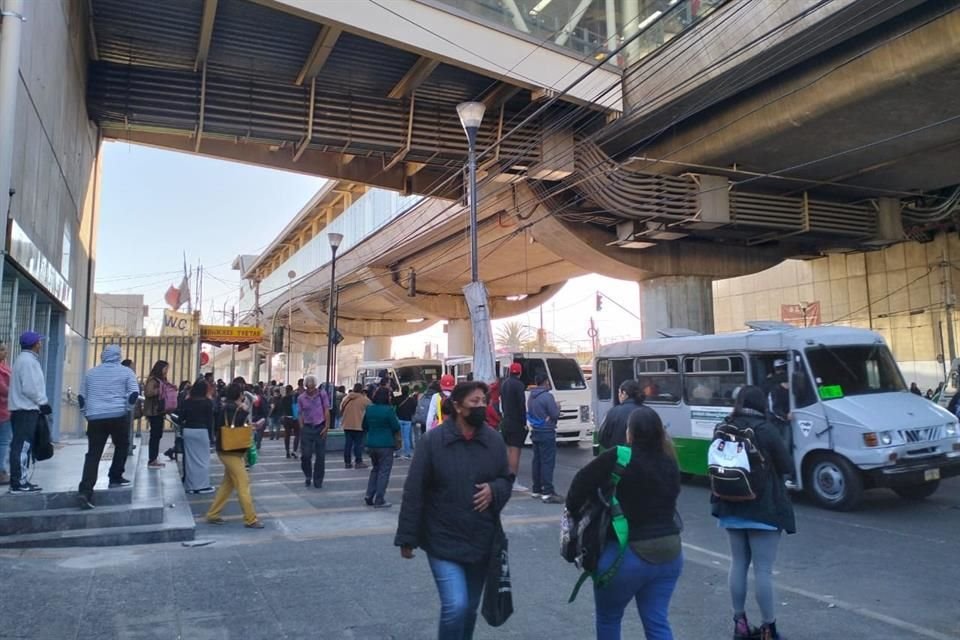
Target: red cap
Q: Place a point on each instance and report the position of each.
(516, 369)
(447, 382)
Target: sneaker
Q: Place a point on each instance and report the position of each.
(318, 485)
(206, 490)
(368, 501)
(361, 465)
(536, 495)
(288, 455)
(519, 488)
(347, 465)
(256, 524)
(117, 484)
(308, 483)
(382, 505)
(155, 465)
(217, 521)
(85, 503)
(553, 498)
(25, 487)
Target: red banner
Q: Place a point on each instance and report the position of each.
(801, 315)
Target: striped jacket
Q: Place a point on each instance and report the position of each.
(107, 389)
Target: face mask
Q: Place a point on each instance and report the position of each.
(477, 417)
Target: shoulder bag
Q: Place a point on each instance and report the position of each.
(235, 438)
(497, 588)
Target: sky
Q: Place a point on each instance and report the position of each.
(158, 205)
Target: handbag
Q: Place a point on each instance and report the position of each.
(497, 588)
(235, 438)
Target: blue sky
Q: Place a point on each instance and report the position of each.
(155, 205)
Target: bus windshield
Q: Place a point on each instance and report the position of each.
(419, 373)
(855, 369)
(566, 374)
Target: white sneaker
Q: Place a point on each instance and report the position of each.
(519, 488)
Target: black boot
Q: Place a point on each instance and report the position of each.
(742, 629)
(769, 632)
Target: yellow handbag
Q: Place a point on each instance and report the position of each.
(236, 438)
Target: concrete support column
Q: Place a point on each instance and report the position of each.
(676, 302)
(377, 348)
(459, 338)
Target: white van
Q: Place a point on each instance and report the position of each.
(566, 379)
(854, 424)
(404, 372)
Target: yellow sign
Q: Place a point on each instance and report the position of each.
(177, 324)
(230, 335)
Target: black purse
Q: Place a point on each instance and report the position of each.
(497, 604)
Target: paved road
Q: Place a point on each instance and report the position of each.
(325, 568)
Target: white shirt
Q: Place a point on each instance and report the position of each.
(434, 412)
(28, 389)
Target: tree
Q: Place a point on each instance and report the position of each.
(512, 336)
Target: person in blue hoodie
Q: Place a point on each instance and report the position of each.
(543, 412)
(107, 394)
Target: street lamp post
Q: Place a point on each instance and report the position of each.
(335, 240)
(289, 346)
(471, 115)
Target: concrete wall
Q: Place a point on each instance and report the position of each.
(898, 292)
(55, 173)
(118, 314)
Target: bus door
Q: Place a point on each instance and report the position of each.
(808, 419)
(609, 375)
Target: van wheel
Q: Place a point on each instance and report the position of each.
(918, 491)
(834, 483)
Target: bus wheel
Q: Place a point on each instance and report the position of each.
(834, 483)
(918, 491)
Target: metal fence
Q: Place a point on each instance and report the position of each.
(180, 352)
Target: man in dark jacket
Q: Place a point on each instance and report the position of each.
(543, 412)
(613, 431)
(513, 423)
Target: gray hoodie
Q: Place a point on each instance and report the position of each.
(543, 412)
(106, 390)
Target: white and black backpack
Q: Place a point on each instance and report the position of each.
(735, 465)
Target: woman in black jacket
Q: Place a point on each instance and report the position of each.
(456, 486)
(653, 560)
(613, 431)
(754, 526)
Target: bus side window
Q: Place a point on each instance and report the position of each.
(803, 395)
(659, 379)
(604, 391)
(711, 380)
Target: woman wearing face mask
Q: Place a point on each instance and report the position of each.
(456, 486)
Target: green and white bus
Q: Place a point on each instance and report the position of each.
(854, 425)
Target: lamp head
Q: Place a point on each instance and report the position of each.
(335, 239)
(471, 114)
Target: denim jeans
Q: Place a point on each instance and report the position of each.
(460, 587)
(650, 585)
(381, 464)
(544, 460)
(406, 431)
(313, 446)
(6, 436)
(352, 443)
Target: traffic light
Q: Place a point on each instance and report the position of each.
(599, 301)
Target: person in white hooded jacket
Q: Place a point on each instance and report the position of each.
(27, 401)
(107, 394)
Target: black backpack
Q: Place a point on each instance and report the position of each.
(735, 465)
(584, 534)
(42, 446)
(423, 405)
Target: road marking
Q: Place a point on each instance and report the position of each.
(830, 600)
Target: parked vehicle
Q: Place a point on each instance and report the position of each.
(853, 423)
(401, 373)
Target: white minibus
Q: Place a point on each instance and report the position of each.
(405, 372)
(854, 425)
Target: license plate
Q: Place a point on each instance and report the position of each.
(931, 474)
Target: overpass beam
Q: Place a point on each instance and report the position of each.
(376, 348)
(676, 302)
(459, 338)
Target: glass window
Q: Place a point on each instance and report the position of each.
(418, 374)
(711, 380)
(566, 374)
(855, 369)
(66, 254)
(531, 368)
(660, 380)
(602, 373)
(803, 393)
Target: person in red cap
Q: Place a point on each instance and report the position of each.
(513, 424)
(435, 412)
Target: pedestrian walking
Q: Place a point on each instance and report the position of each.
(647, 493)
(456, 487)
(107, 394)
(155, 409)
(380, 424)
(352, 411)
(513, 421)
(291, 426)
(234, 465)
(405, 411)
(435, 415)
(423, 408)
(27, 402)
(6, 428)
(196, 416)
(543, 412)
(613, 431)
(314, 424)
(338, 402)
(276, 413)
(754, 527)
